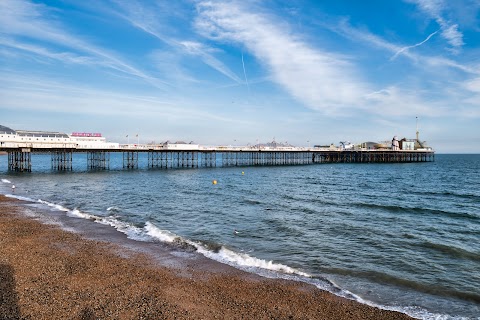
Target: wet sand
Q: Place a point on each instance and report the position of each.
(49, 273)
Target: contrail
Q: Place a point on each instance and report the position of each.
(245, 73)
(415, 45)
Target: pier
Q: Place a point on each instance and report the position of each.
(21, 144)
(20, 157)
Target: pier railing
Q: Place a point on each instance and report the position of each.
(195, 156)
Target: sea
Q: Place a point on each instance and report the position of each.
(402, 236)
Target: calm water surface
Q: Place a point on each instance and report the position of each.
(401, 236)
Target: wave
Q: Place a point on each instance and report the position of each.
(53, 205)
(268, 268)
(398, 209)
(14, 196)
(222, 254)
(126, 228)
(451, 250)
(251, 201)
(6, 181)
(235, 259)
(151, 232)
(159, 234)
(389, 279)
(452, 194)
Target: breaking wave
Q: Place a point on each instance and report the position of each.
(222, 254)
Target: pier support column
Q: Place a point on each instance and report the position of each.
(176, 161)
(194, 155)
(62, 160)
(229, 159)
(168, 159)
(209, 159)
(155, 159)
(98, 160)
(164, 159)
(20, 160)
(130, 159)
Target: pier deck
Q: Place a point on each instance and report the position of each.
(159, 156)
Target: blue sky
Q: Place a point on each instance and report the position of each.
(238, 72)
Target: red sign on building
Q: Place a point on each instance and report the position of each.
(86, 134)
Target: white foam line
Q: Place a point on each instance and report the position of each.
(157, 233)
(53, 205)
(224, 255)
(412, 311)
(14, 196)
(6, 181)
(251, 264)
(238, 260)
(230, 257)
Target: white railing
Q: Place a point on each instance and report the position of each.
(176, 147)
(37, 145)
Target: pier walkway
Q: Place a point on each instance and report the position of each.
(195, 156)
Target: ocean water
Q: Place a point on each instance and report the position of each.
(403, 237)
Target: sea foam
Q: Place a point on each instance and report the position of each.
(159, 234)
(6, 181)
(53, 205)
(113, 209)
(236, 259)
(152, 232)
(224, 255)
(19, 198)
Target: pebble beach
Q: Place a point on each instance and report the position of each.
(50, 273)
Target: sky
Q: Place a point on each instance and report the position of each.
(240, 72)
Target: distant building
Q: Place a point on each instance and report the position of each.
(369, 145)
(407, 144)
(395, 143)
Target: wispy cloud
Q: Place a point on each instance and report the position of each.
(367, 38)
(25, 22)
(363, 36)
(402, 50)
(149, 19)
(449, 30)
(471, 97)
(473, 85)
(321, 80)
(200, 50)
(170, 65)
(38, 51)
(396, 101)
(55, 96)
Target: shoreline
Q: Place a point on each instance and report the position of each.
(48, 272)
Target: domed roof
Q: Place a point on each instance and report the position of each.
(7, 130)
